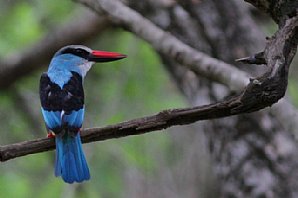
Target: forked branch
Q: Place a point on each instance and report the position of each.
(258, 94)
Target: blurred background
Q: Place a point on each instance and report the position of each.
(216, 158)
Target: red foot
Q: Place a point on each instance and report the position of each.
(51, 135)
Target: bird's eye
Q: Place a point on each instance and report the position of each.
(75, 51)
(80, 52)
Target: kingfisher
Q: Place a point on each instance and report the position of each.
(62, 106)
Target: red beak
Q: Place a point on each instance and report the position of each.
(102, 56)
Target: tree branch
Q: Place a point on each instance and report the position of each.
(200, 63)
(260, 93)
(257, 59)
(279, 10)
(161, 120)
(278, 53)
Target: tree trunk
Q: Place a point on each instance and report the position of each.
(252, 155)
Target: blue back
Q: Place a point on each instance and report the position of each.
(61, 66)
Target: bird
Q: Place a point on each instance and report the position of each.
(62, 106)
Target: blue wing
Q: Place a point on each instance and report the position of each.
(56, 119)
(74, 119)
(63, 110)
(52, 119)
(62, 107)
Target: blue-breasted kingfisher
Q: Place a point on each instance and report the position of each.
(62, 106)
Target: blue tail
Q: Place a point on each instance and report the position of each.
(70, 163)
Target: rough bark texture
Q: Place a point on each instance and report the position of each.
(247, 149)
(161, 120)
(279, 10)
(252, 154)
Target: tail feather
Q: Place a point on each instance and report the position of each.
(70, 162)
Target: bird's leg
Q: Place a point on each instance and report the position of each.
(51, 134)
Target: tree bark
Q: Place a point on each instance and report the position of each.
(253, 156)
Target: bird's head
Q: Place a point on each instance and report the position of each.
(80, 58)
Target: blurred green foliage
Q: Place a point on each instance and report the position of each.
(115, 92)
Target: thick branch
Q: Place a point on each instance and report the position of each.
(162, 120)
(169, 45)
(260, 93)
(279, 10)
(278, 54)
(19, 65)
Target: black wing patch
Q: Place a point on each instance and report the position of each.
(69, 98)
